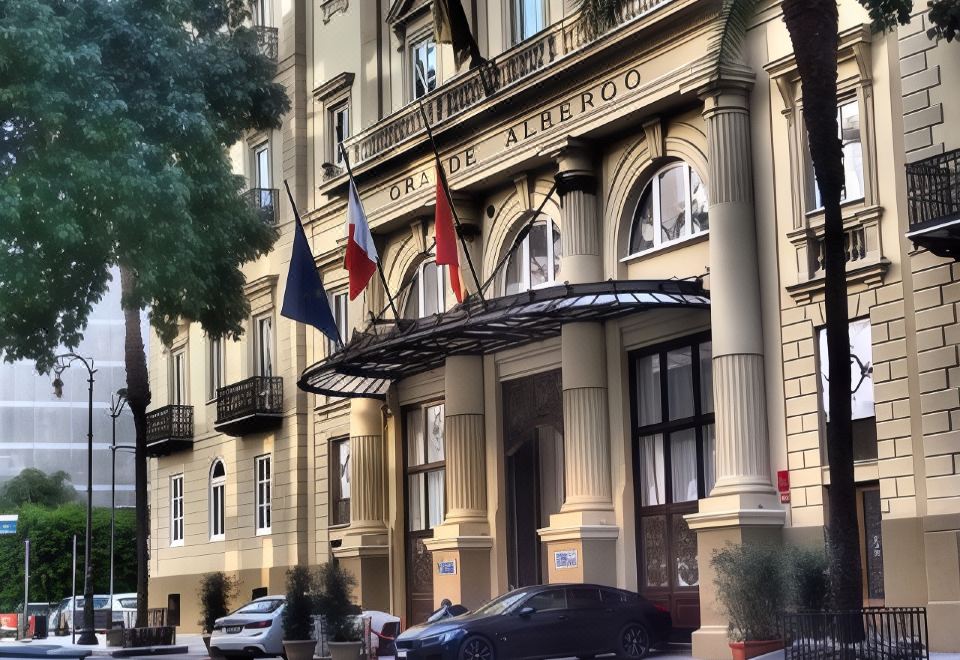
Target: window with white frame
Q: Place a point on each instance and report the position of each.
(338, 305)
(215, 366)
(340, 481)
(264, 346)
(264, 494)
(218, 483)
(426, 456)
(261, 166)
(672, 208)
(428, 291)
(339, 130)
(529, 18)
(178, 377)
(423, 67)
(848, 126)
(176, 510)
(536, 262)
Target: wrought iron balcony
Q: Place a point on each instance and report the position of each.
(524, 61)
(265, 201)
(933, 203)
(268, 41)
(250, 406)
(169, 429)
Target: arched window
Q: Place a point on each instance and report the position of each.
(672, 207)
(428, 291)
(218, 481)
(536, 263)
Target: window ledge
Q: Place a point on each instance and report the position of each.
(265, 532)
(176, 544)
(871, 273)
(669, 247)
(338, 526)
(222, 537)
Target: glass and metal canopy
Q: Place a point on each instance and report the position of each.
(400, 349)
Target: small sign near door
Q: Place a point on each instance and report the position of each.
(447, 567)
(565, 559)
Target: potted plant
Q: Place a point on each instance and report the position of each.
(216, 591)
(298, 642)
(753, 589)
(340, 614)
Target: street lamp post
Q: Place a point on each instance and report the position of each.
(89, 636)
(117, 402)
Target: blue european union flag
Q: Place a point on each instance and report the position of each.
(305, 299)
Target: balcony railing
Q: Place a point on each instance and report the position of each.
(854, 249)
(473, 88)
(250, 406)
(265, 201)
(933, 203)
(169, 429)
(268, 41)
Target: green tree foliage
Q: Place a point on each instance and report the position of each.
(117, 116)
(33, 486)
(51, 532)
(215, 592)
(334, 601)
(301, 604)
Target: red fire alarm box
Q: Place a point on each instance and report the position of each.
(783, 481)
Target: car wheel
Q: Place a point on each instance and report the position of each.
(634, 641)
(476, 648)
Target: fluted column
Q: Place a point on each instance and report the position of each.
(743, 506)
(366, 466)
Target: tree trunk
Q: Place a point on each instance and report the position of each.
(138, 398)
(813, 27)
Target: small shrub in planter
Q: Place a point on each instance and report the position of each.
(753, 589)
(298, 614)
(215, 592)
(334, 603)
(809, 579)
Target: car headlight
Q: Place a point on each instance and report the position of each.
(442, 638)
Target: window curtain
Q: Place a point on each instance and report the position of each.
(680, 384)
(648, 385)
(435, 489)
(652, 483)
(683, 465)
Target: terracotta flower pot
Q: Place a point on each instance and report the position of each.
(344, 650)
(299, 649)
(751, 649)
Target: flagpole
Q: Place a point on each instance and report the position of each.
(383, 278)
(453, 208)
(296, 215)
(522, 234)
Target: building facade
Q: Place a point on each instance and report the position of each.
(639, 378)
(40, 430)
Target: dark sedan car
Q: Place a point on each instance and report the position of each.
(548, 621)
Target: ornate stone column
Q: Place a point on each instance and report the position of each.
(461, 545)
(743, 507)
(585, 530)
(364, 550)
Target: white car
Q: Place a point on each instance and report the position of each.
(254, 630)
(124, 610)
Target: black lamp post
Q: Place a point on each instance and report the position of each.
(88, 636)
(117, 403)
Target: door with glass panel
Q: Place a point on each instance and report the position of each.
(425, 498)
(673, 461)
(533, 456)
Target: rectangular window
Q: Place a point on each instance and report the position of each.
(339, 130)
(862, 407)
(529, 18)
(178, 378)
(264, 346)
(264, 481)
(261, 12)
(261, 162)
(423, 67)
(176, 510)
(848, 125)
(217, 509)
(340, 482)
(215, 379)
(338, 304)
(426, 503)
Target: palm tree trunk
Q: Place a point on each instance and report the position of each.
(138, 398)
(813, 27)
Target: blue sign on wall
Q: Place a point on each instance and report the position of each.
(8, 524)
(447, 567)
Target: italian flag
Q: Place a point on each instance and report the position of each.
(361, 258)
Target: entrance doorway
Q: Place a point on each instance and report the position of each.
(673, 467)
(871, 545)
(533, 452)
(425, 458)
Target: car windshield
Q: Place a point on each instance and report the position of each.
(99, 602)
(260, 606)
(128, 603)
(502, 603)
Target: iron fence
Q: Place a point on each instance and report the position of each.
(933, 188)
(873, 633)
(170, 423)
(265, 201)
(268, 41)
(253, 396)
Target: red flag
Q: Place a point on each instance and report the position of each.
(447, 254)
(361, 258)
